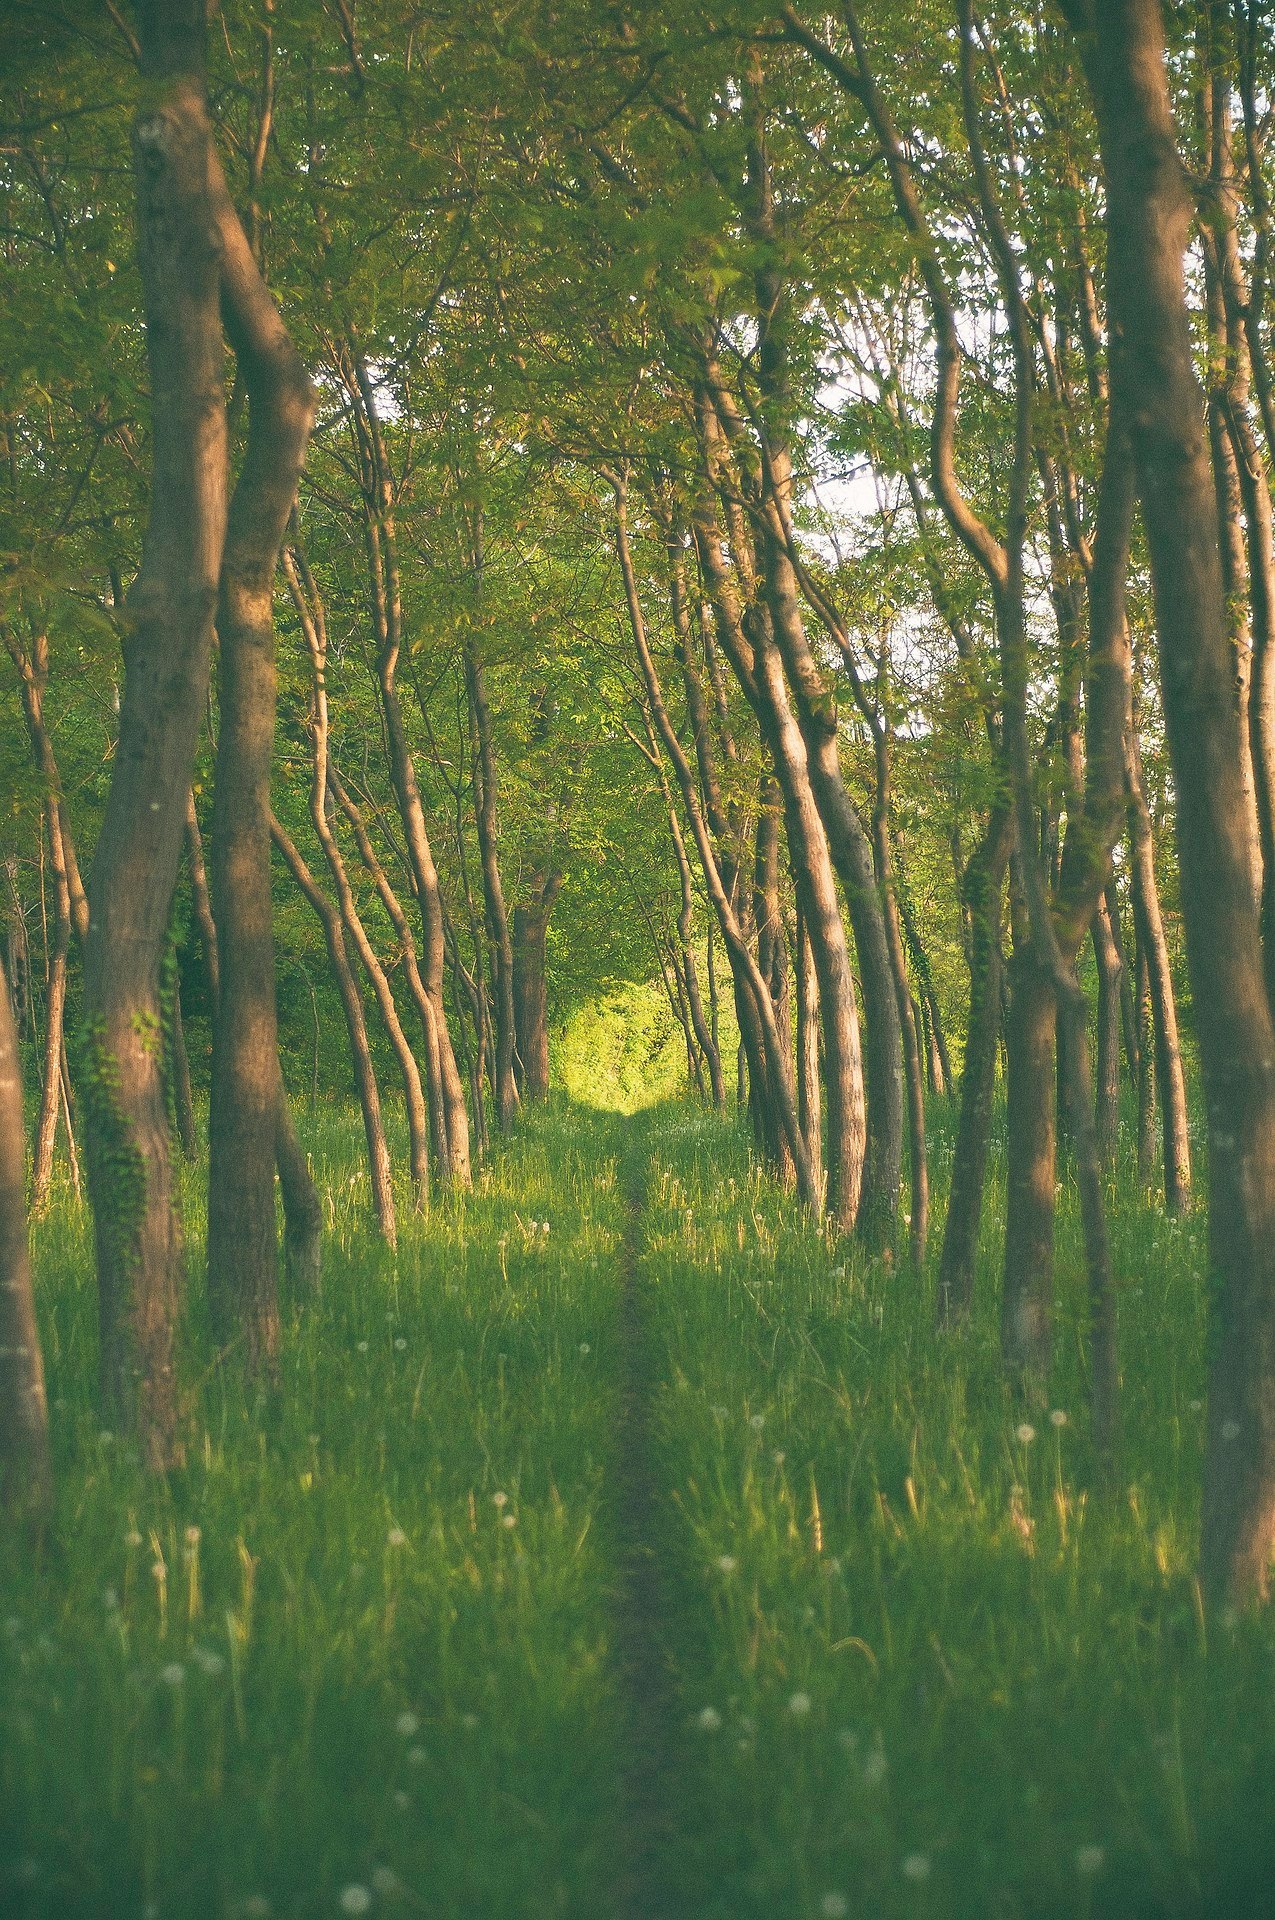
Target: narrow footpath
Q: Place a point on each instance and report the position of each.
(642, 1640)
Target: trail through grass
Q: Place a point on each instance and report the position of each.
(659, 1561)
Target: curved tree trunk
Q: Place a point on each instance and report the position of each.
(170, 616)
(243, 1119)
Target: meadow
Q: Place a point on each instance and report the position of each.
(372, 1649)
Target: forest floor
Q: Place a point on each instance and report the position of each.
(624, 1546)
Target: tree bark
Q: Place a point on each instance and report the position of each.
(243, 1119)
(504, 1080)
(169, 620)
(1148, 219)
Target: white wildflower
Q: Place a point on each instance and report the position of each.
(799, 1705)
(1090, 1860)
(396, 1537)
(708, 1720)
(834, 1906)
(584, 1348)
(173, 1674)
(1025, 1432)
(407, 1724)
(500, 1499)
(726, 1563)
(355, 1900)
(208, 1661)
(508, 1519)
(1057, 1417)
(916, 1866)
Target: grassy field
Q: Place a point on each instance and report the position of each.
(365, 1653)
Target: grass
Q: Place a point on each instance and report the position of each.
(917, 1665)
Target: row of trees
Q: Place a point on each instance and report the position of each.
(747, 499)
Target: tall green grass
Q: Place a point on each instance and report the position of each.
(359, 1653)
(358, 1641)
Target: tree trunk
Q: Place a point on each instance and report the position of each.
(1149, 216)
(530, 995)
(1170, 1081)
(809, 1097)
(169, 619)
(26, 1473)
(1107, 1087)
(378, 1153)
(1031, 1109)
(309, 609)
(504, 1080)
(983, 889)
(243, 1116)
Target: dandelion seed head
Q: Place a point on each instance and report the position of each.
(584, 1348)
(726, 1563)
(708, 1720)
(1025, 1433)
(1057, 1417)
(132, 1538)
(508, 1519)
(834, 1906)
(362, 1346)
(208, 1661)
(173, 1674)
(193, 1536)
(757, 1421)
(500, 1499)
(396, 1537)
(1230, 1429)
(1090, 1860)
(407, 1724)
(469, 1721)
(799, 1705)
(916, 1867)
(400, 1345)
(416, 1756)
(355, 1899)
(402, 1799)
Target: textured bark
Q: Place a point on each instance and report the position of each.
(243, 1288)
(1149, 218)
(169, 630)
(26, 1473)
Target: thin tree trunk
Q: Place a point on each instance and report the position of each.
(378, 1153)
(26, 1472)
(809, 1098)
(313, 625)
(243, 1121)
(504, 1080)
(983, 889)
(1170, 1081)
(1027, 1288)
(1110, 975)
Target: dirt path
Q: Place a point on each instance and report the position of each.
(643, 1891)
